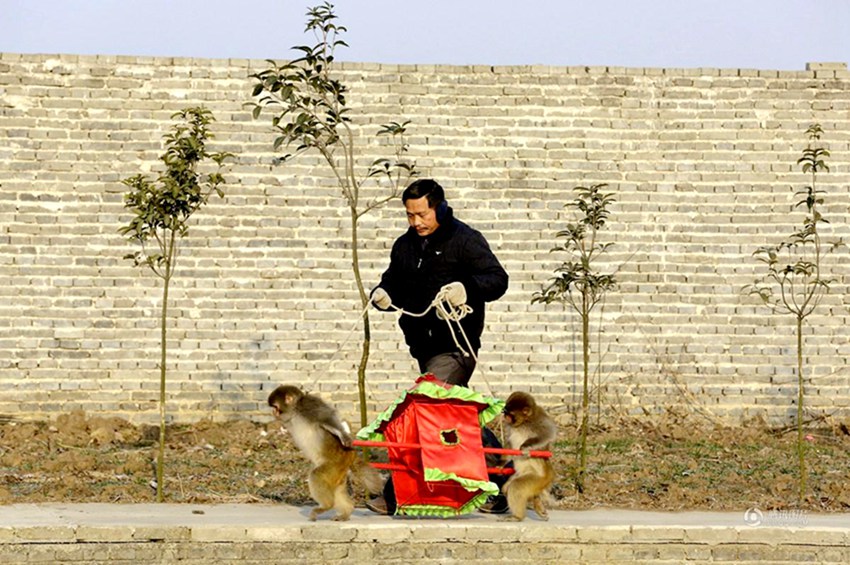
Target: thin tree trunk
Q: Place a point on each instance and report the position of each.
(585, 396)
(166, 282)
(160, 461)
(801, 445)
(367, 333)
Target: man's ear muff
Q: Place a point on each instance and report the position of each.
(442, 211)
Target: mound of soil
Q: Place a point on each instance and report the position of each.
(670, 464)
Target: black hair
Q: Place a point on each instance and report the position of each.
(425, 187)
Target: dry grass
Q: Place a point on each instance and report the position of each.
(671, 464)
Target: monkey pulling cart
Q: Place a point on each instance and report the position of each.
(433, 436)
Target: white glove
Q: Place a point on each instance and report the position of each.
(381, 299)
(455, 293)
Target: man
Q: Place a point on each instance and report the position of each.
(438, 253)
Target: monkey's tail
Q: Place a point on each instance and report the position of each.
(368, 476)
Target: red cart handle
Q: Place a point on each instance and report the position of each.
(499, 450)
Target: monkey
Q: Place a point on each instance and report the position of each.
(529, 428)
(326, 441)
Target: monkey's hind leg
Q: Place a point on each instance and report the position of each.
(342, 502)
(321, 490)
(539, 505)
(541, 495)
(323, 483)
(328, 487)
(516, 492)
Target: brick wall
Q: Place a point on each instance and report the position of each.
(702, 162)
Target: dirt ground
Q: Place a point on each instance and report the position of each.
(672, 464)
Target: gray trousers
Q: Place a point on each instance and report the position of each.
(453, 368)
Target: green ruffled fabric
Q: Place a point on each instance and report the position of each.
(435, 475)
(431, 390)
(423, 510)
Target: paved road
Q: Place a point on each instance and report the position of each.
(164, 515)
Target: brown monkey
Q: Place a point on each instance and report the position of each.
(321, 436)
(529, 428)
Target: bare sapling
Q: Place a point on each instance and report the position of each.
(580, 285)
(310, 113)
(161, 210)
(794, 282)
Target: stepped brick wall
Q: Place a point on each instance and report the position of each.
(702, 163)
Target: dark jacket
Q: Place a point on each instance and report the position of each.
(420, 266)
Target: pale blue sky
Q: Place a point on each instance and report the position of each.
(761, 34)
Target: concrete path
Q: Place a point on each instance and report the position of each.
(52, 515)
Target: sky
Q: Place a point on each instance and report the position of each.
(754, 34)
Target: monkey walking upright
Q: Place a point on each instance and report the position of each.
(321, 436)
(529, 428)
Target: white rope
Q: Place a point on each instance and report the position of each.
(341, 345)
(445, 311)
(450, 313)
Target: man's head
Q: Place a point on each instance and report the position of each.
(421, 200)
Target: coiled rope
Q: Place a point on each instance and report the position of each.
(450, 313)
(445, 311)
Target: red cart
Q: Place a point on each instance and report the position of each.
(436, 457)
